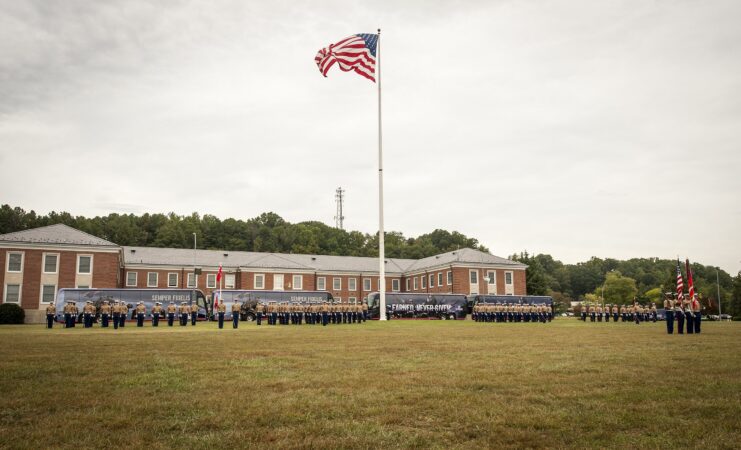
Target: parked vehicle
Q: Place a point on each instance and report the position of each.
(131, 297)
(250, 298)
(419, 306)
(512, 299)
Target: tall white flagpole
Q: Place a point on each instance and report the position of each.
(381, 256)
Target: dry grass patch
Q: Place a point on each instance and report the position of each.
(404, 384)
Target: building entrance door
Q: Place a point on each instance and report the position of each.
(491, 282)
(278, 282)
(473, 276)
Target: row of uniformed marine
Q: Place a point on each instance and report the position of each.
(685, 311)
(311, 313)
(625, 313)
(117, 312)
(275, 313)
(296, 313)
(510, 312)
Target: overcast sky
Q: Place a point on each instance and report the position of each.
(574, 128)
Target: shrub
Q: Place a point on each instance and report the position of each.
(11, 314)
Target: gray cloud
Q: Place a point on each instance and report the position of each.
(572, 128)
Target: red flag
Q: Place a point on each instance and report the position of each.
(218, 275)
(689, 281)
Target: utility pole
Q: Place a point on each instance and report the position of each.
(194, 259)
(339, 198)
(717, 284)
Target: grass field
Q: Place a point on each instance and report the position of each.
(423, 384)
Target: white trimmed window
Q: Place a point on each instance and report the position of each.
(211, 280)
(130, 278)
(259, 281)
(395, 285)
(192, 280)
(321, 284)
(12, 293)
(423, 281)
(15, 262)
(298, 282)
(432, 280)
(172, 280)
(416, 283)
(84, 264)
(407, 283)
(352, 284)
(450, 277)
(352, 300)
(474, 276)
(229, 281)
(336, 284)
(440, 279)
(50, 262)
(507, 277)
(366, 284)
(152, 279)
(338, 299)
(48, 293)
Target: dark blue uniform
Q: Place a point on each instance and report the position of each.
(680, 320)
(222, 310)
(140, 314)
(171, 310)
(116, 315)
(236, 307)
(697, 315)
(51, 310)
(690, 319)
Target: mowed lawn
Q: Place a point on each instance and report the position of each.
(422, 384)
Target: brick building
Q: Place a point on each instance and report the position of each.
(38, 262)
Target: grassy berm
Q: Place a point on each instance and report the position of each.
(418, 384)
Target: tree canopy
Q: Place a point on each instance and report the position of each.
(644, 278)
(267, 232)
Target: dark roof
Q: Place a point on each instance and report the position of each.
(58, 234)
(465, 256)
(397, 266)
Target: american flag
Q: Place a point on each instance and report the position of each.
(680, 283)
(357, 53)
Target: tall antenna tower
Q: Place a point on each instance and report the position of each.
(339, 194)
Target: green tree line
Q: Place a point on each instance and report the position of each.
(267, 232)
(619, 282)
